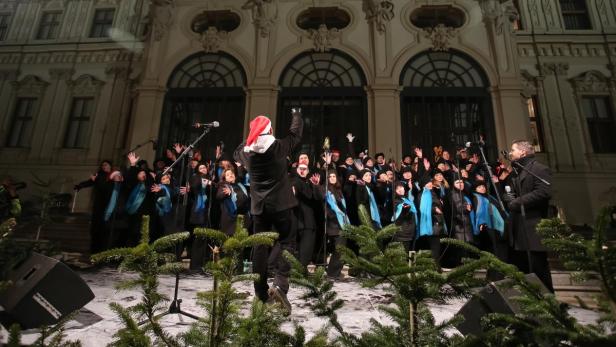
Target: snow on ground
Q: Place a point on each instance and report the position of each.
(361, 304)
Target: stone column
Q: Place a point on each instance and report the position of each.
(384, 122)
(117, 75)
(145, 122)
(261, 99)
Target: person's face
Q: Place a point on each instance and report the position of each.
(302, 171)
(106, 167)
(380, 159)
(117, 178)
(407, 175)
(439, 177)
(229, 176)
(481, 189)
(160, 164)
(390, 175)
(459, 185)
(141, 176)
(335, 156)
(475, 158)
(442, 167)
(165, 179)
(516, 153)
(170, 154)
(463, 154)
(332, 178)
(203, 169)
(400, 190)
(383, 177)
(407, 160)
(352, 178)
(193, 164)
(369, 163)
(303, 159)
(367, 177)
(349, 161)
(446, 155)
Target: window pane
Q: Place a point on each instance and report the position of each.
(21, 128)
(4, 25)
(78, 123)
(102, 22)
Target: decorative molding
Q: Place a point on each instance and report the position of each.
(557, 69)
(501, 13)
(440, 36)
(61, 74)
(211, 39)
(160, 18)
(30, 86)
(70, 57)
(591, 82)
(264, 14)
(529, 84)
(379, 12)
(85, 85)
(55, 4)
(117, 69)
(108, 2)
(322, 38)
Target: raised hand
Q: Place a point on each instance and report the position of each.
(350, 137)
(218, 152)
(155, 188)
(418, 152)
(426, 164)
(93, 177)
(133, 158)
(315, 179)
(184, 190)
(178, 148)
(359, 165)
(226, 190)
(327, 157)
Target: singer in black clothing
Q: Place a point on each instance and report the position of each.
(534, 196)
(272, 199)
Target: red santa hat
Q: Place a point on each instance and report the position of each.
(261, 125)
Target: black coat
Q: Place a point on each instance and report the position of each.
(462, 227)
(308, 198)
(535, 195)
(199, 218)
(102, 188)
(333, 227)
(270, 188)
(227, 221)
(406, 222)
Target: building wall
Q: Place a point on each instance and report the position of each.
(128, 77)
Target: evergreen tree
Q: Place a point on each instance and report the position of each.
(148, 260)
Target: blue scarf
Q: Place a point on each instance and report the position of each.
(201, 199)
(340, 215)
(425, 209)
(135, 198)
(231, 201)
(486, 213)
(247, 179)
(163, 203)
(374, 210)
(113, 201)
(407, 201)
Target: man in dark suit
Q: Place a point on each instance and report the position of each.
(272, 199)
(532, 196)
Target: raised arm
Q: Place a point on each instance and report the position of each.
(295, 133)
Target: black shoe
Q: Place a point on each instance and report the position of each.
(280, 297)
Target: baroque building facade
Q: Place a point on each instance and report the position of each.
(87, 80)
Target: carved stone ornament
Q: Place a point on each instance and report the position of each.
(502, 13)
(264, 14)
(85, 85)
(160, 17)
(554, 68)
(322, 38)
(211, 39)
(379, 12)
(440, 36)
(529, 84)
(591, 82)
(30, 86)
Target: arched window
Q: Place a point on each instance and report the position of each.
(329, 87)
(445, 102)
(205, 87)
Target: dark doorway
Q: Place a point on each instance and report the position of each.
(204, 88)
(445, 101)
(329, 87)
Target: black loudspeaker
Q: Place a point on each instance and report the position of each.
(493, 298)
(43, 291)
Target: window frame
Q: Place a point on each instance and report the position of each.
(586, 11)
(33, 110)
(591, 123)
(94, 23)
(83, 122)
(4, 30)
(55, 25)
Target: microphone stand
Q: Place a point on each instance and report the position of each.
(137, 147)
(325, 209)
(175, 306)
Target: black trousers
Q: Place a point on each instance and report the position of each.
(541, 266)
(283, 223)
(334, 267)
(306, 245)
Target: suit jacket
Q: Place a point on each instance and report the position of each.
(270, 188)
(535, 195)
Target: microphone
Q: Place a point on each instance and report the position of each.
(469, 144)
(214, 124)
(326, 144)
